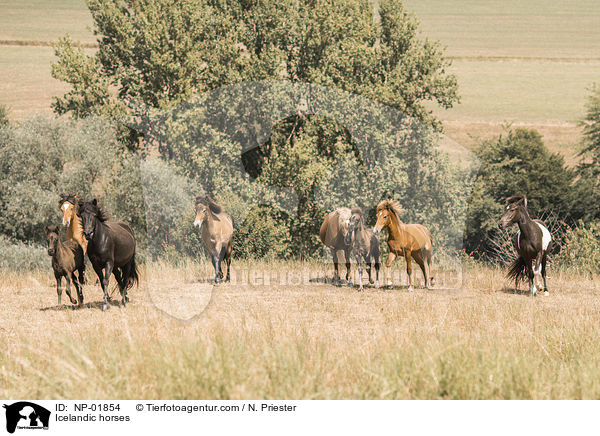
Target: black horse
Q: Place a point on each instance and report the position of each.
(111, 249)
(532, 243)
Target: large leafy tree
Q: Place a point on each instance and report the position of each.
(160, 54)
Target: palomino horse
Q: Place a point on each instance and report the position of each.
(111, 249)
(216, 229)
(413, 241)
(67, 257)
(365, 245)
(333, 234)
(68, 204)
(533, 242)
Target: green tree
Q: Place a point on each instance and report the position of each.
(158, 55)
(588, 185)
(517, 163)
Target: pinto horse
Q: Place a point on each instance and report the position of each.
(333, 234)
(216, 229)
(365, 245)
(532, 242)
(111, 249)
(413, 241)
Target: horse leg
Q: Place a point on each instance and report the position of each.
(537, 272)
(68, 289)
(81, 281)
(531, 277)
(58, 288)
(228, 262)
(388, 266)
(223, 257)
(347, 259)
(407, 256)
(104, 277)
(368, 262)
(336, 275)
(119, 273)
(359, 261)
(421, 259)
(544, 259)
(217, 264)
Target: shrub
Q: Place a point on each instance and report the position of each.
(21, 256)
(582, 248)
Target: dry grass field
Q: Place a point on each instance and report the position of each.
(297, 337)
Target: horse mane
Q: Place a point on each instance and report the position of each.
(95, 208)
(71, 198)
(210, 203)
(51, 229)
(391, 205)
(516, 199)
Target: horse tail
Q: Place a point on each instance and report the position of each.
(131, 274)
(517, 270)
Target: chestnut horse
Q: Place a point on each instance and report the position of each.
(365, 246)
(533, 242)
(413, 241)
(333, 234)
(216, 229)
(68, 205)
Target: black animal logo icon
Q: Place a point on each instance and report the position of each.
(33, 416)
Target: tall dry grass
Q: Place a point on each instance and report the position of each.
(303, 339)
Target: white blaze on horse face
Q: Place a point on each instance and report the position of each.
(65, 207)
(519, 239)
(546, 237)
(198, 223)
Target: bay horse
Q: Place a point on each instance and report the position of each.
(365, 245)
(333, 235)
(533, 241)
(67, 257)
(111, 249)
(413, 241)
(216, 230)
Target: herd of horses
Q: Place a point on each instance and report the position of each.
(111, 245)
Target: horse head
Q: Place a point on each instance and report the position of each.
(68, 205)
(90, 212)
(52, 239)
(516, 206)
(355, 222)
(386, 210)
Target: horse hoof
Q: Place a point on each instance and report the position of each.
(361, 290)
(390, 284)
(376, 284)
(546, 293)
(105, 307)
(411, 289)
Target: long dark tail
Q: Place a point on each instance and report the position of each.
(517, 270)
(130, 274)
